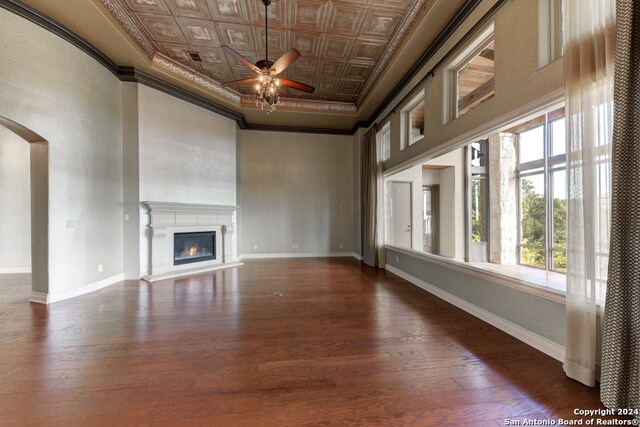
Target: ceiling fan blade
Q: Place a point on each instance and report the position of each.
(284, 61)
(297, 85)
(240, 58)
(239, 82)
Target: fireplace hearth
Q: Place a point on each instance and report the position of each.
(194, 247)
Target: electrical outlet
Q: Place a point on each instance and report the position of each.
(100, 268)
(255, 247)
(126, 217)
(294, 246)
(397, 260)
(340, 245)
(72, 224)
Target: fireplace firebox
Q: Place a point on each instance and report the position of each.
(194, 247)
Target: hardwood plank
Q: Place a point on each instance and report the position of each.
(345, 345)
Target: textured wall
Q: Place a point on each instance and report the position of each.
(296, 189)
(15, 204)
(55, 90)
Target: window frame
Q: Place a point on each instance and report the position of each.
(406, 111)
(386, 130)
(481, 43)
(546, 167)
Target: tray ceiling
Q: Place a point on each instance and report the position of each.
(345, 45)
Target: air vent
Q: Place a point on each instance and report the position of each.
(195, 56)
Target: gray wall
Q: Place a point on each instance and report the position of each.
(15, 204)
(74, 103)
(296, 189)
(539, 315)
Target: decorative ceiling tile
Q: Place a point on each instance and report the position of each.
(345, 45)
(277, 13)
(236, 36)
(157, 6)
(357, 71)
(308, 15)
(331, 70)
(367, 50)
(229, 10)
(199, 32)
(380, 23)
(189, 8)
(345, 19)
(278, 43)
(336, 47)
(305, 67)
(161, 28)
(308, 44)
(178, 53)
(349, 88)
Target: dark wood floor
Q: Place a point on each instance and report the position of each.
(344, 345)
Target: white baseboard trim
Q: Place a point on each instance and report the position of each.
(298, 255)
(76, 292)
(39, 298)
(536, 341)
(15, 270)
(357, 256)
(132, 277)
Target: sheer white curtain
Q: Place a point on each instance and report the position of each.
(588, 59)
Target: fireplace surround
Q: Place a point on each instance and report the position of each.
(193, 227)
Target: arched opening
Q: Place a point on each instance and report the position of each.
(38, 206)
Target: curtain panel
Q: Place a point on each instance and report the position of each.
(589, 66)
(371, 186)
(620, 380)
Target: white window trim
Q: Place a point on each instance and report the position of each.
(386, 129)
(470, 52)
(405, 118)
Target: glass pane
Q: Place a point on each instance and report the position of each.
(386, 143)
(560, 261)
(558, 137)
(531, 144)
(416, 123)
(479, 192)
(559, 209)
(475, 80)
(532, 210)
(479, 151)
(533, 257)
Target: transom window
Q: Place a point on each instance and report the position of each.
(385, 141)
(413, 121)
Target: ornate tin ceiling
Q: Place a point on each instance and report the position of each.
(345, 45)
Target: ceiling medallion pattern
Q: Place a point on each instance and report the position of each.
(187, 73)
(345, 45)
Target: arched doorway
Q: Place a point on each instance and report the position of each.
(39, 207)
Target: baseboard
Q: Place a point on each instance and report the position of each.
(298, 255)
(82, 290)
(536, 341)
(132, 277)
(357, 256)
(15, 270)
(39, 298)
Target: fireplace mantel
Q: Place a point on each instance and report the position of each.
(166, 218)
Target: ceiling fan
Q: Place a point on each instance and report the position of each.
(267, 83)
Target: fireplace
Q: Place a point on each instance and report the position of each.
(194, 247)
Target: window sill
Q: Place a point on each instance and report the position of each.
(520, 283)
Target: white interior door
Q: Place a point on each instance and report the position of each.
(400, 213)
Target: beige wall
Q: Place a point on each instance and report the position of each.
(15, 204)
(296, 189)
(73, 102)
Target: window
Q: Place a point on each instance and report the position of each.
(542, 186)
(550, 33)
(473, 78)
(413, 122)
(385, 141)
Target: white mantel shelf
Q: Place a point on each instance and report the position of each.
(167, 218)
